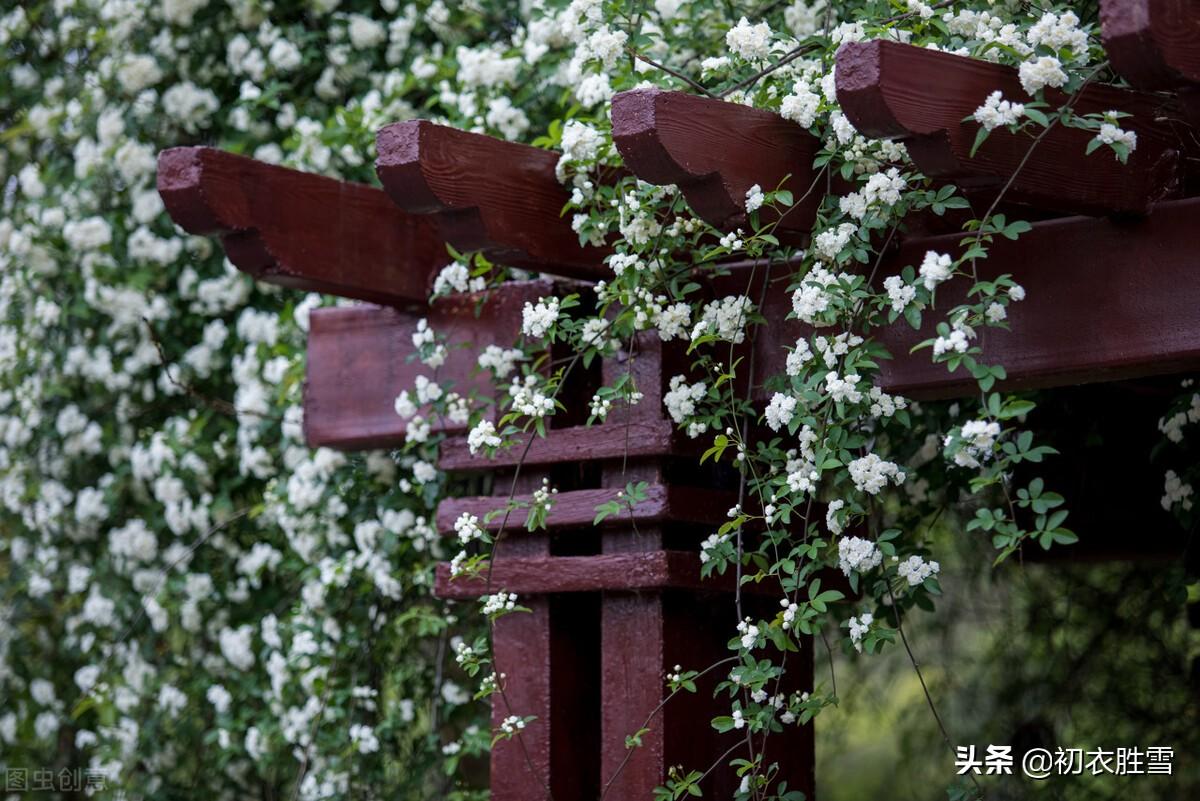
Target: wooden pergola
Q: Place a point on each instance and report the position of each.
(1113, 294)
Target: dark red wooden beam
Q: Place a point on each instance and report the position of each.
(501, 198)
(301, 230)
(580, 443)
(577, 509)
(1154, 44)
(651, 570)
(1106, 300)
(920, 96)
(359, 360)
(715, 152)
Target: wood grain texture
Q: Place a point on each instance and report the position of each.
(580, 443)
(1106, 300)
(650, 570)
(301, 230)
(577, 508)
(501, 198)
(920, 96)
(360, 359)
(715, 152)
(1153, 44)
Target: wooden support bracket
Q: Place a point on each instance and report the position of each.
(715, 152)
(301, 230)
(361, 357)
(1154, 44)
(501, 198)
(921, 96)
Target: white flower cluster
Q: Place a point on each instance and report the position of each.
(976, 441)
(528, 399)
(483, 435)
(882, 189)
(780, 410)
(467, 528)
(997, 111)
(870, 474)
(726, 319)
(749, 42)
(501, 361)
(856, 554)
(512, 724)
(681, 399)
(1039, 73)
(499, 602)
(749, 633)
(935, 268)
(536, 320)
(859, 626)
(915, 570)
(1112, 134)
(1176, 492)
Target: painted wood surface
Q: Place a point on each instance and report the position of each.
(361, 357)
(1106, 300)
(300, 230)
(501, 198)
(577, 508)
(715, 152)
(1153, 44)
(651, 570)
(921, 96)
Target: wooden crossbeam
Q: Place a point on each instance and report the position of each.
(1154, 44)
(501, 198)
(1106, 300)
(577, 509)
(715, 152)
(361, 357)
(301, 230)
(921, 96)
(642, 571)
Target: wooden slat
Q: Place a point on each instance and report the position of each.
(577, 508)
(301, 230)
(359, 360)
(579, 443)
(920, 96)
(1106, 300)
(652, 570)
(1154, 44)
(715, 152)
(501, 198)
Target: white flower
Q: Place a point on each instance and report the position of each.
(801, 106)
(537, 320)
(870, 474)
(1041, 72)
(915, 569)
(750, 42)
(236, 646)
(936, 268)
(501, 361)
(467, 527)
(483, 435)
(1111, 134)
(780, 410)
(899, 293)
(754, 198)
(996, 111)
(857, 554)
(499, 602)
(1175, 491)
(858, 627)
(219, 697)
(364, 738)
(681, 398)
(749, 633)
